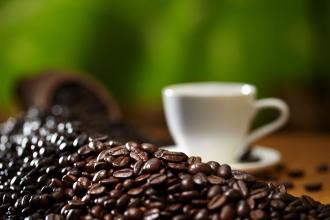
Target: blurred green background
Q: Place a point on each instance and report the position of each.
(138, 47)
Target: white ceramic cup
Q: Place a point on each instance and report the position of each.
(212, 120)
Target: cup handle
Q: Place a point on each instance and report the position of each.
(278, 104)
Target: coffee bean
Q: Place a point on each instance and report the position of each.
(102, 174)
(199, 168)
(85, 150)
(123, 173)
(152, 165)
(133, 213)
(177, 166)
(227, 212)
(123, 201)
(194, 159)
(232, 195)
(316, 186)
(213, 190)
(149, 148)
(258, 214)
(296, 173)
(97, 211)
(188, 195)
(96, 190)
(156, 179)
(200, 179)
(202, 214)
(287, 183)
(216, 202)
(69, 179)
(84, 181)
(224, 171)
(214, 166)
(135, 191)
(242, 187)
(53, 217)
(215, 179)
(121, 161)
(118, 151)
(277, 204)
(243, 209)
(322, 168)
(80, 140)
(76, 204)
(137, 156)
(137, 167)
(243, 176)
(187, 184)
(174, 156)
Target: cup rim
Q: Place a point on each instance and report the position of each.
(245, 89)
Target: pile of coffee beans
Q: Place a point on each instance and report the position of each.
(51, 168)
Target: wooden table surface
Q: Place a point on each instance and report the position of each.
(303, 151)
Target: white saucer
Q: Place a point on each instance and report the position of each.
(269, 157)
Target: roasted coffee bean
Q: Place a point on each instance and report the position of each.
(200, 179)
(100, 166)
(53, 217)
(133, 213)
(150, 148)
(199, 168)
(102, 174)
(194, 159)
(232, 195)
(80, 140)
(137, 167)
(156, 179)
(258, 214)
(110, 181)
(96, 190)
(215, 180)
(242, 209)
(188, 195)
(84, 181)
(313, 186)
(322, 168)
(296, 173)
(76, 204)
(123, 173)
(152, 165)
(174, 156)
(135, 191)
(242, 187)
(187, 184)
(97, 211)
(202, 214)
(118, 151)
(123, 201)
(214, 190)
(287, 183)
(224, 171)
(85, 150)
(69, 179)
(277, 204)
(139, 155)
(121, 161)
(243, 176)
(216, 202)
(177, 166)
(227, 212)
